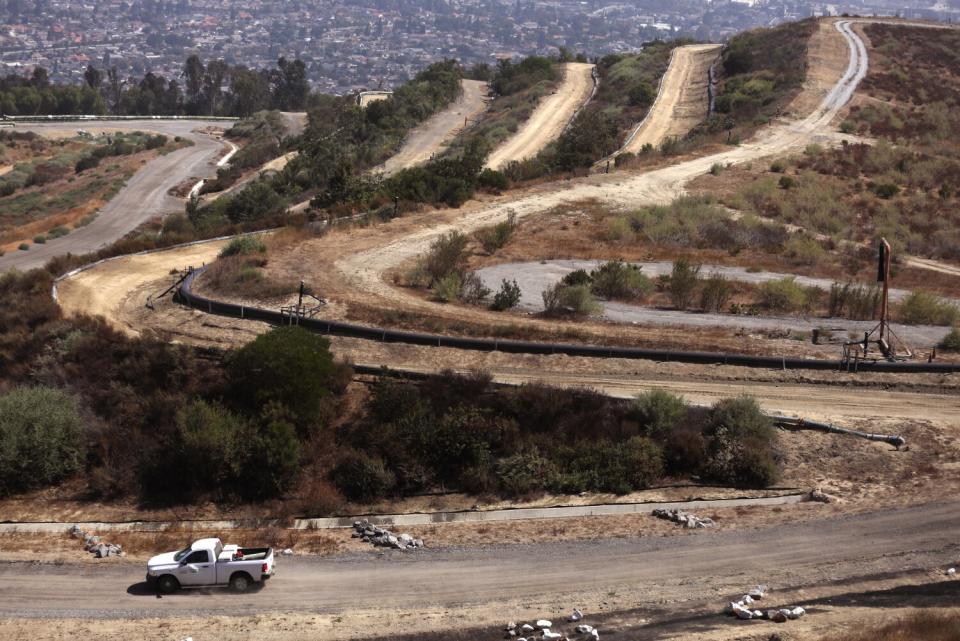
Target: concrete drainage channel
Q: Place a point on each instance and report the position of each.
(403, 520)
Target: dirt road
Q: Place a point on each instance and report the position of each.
(642, 571)
(550, 117)
(682, 101)
(144, 196)
(433, 135)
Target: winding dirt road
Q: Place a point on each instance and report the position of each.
(682, 102)
(550, 117)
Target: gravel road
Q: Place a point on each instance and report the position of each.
(144, 196)
(535, 277)
(657, 570)
(550, 117)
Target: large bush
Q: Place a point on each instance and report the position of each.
(41, 438)
(617, 280)
(288, 366)
(925, 308)
(742, 444)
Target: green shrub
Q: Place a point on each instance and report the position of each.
(288, 366)
(23, 247)
(617, 280)
(886, 190)
(85, 163)
(472, 289)
(57, 232)
(361, 477)
(716, 169)
(924, 308)
(496, 236)
(683, 282)
(804, 250)
(448, 255)
(493, 180)
(244, 246)
(577, 277)
(951, 341)
(561, 299)
(606, 466)
(211, 447)
(783, 295)
(448, 288)
(716, 293)
(787, 182)
(778, 166)
(507, 297)
(853, 301)
(39, 239)
(41, 438)
(742, 444)
(659, 412)
(524, 473)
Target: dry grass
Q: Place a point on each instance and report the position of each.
(922, 626)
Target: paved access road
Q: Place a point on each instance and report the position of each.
(145, 194)
(657, 570)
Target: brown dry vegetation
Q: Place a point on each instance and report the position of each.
(48, 192)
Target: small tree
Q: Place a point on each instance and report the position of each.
(472, 290)
(683, 282)
(362, 478)
(742, 442)
(562, 299)
(497, 236)
(448, 255)
(617, 280)
(507, 297)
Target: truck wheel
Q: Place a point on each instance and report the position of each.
(168, 584)
(240, 582)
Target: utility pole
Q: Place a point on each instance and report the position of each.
(883, 276)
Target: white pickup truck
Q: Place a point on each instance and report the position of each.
(207, 563)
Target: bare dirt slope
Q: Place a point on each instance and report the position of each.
(549, 118)
(433, 135)
(144, 196)
(682, 102)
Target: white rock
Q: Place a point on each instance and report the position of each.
(797, 612)
(576, 616)
(757, 614)
(594, 635)
(746, 599)
(406, 538)
(526, 627)
(543, 623)
(758, 592)
(951, 571)
(583, 628)
(742, 612)
(287, 552)
(547, 634)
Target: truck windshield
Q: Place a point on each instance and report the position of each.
(182, 553)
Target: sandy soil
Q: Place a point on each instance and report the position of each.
(435, 134)
(682, 102)
(549, 118)
(372, 96)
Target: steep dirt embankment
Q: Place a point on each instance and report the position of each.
(550, 117)
(435, 134)
(683, 100)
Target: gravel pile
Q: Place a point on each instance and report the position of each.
(745, 608)
(683, 518)
(380, 537)
(543, 629)
(94, 545)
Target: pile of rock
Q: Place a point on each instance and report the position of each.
(94, 545)
(745, 608)
(543, 629)
(369, 533)
(683, 518)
